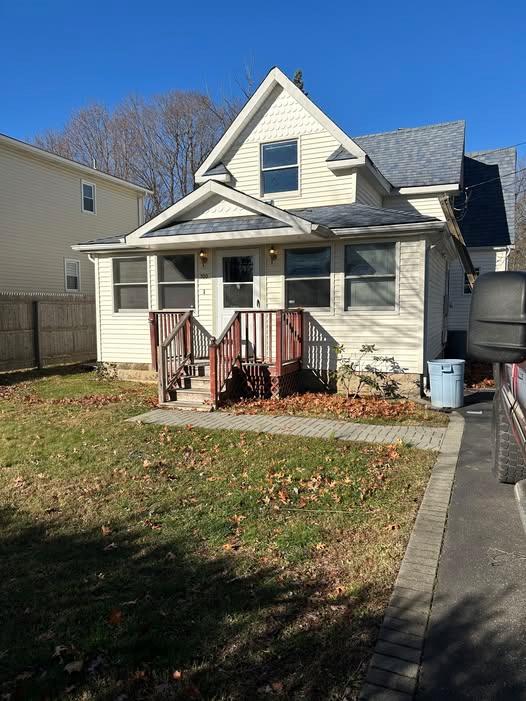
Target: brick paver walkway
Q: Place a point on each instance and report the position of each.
(425, 437)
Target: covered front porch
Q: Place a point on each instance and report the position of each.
(258, 354)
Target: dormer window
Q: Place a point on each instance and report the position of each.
(279, 167)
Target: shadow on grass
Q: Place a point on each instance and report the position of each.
(17, 376)
(134, 614)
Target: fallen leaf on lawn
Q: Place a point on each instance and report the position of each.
(171, 556)
(277, 686)
(115, 617)
(177, 675)
(106, 530)
(73, 667)
(60, 650)
(146, 463)
(24, 675)
(111, 546)
(129, 603)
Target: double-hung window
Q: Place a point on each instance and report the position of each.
(88, 197)
(177, 281)
(308, 277)
(71, 275)
(130, 283)
(370, 276)
(279, 167)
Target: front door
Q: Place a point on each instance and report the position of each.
(238, 277)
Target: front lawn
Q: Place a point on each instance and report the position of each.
(322, 405)
(140, 562)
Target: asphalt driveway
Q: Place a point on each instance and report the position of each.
(476, 640)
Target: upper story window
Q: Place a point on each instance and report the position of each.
(177, 281)
(370, 276)
(279, 167)
(308, 277)
(71, 275)
(130, 283)
(88, 197)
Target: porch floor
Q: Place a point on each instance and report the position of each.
(423, 437)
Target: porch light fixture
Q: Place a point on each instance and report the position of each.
(272, 253)
(203, 255)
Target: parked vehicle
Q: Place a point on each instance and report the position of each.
(497, 334)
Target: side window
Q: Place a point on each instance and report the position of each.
(130, 283)
(308, 277)
(88, 197)
(279, 167)
(71, 275)
(467, 288)
(370, 276)
(177, 281)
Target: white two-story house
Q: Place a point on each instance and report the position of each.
(298, 239)
(46, 201)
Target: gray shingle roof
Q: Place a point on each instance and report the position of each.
(341, 216)
(341, 154)
(429, 155)
(489, 217)
(218, 169)
(105, 240)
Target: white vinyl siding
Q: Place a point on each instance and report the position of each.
(423, 204)
(436, 290)
(283, 118)
(486, 260)
(41, 214)
(366, 192)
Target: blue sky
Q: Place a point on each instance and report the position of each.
(372, 66)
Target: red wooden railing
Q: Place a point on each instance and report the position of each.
(175, 351)
(272, 337)
(161, 326)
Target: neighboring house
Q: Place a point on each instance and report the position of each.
(299, 238)
(45, 201)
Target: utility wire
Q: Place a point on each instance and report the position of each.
(492, 180)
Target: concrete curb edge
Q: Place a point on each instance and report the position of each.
(395, 665)
(520, 495)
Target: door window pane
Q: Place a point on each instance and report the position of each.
(370, 292)
(131, 297)
(181, 296)
(179, 268)
(238, 269)
(308, 293)
(237, 296)
(308, 262)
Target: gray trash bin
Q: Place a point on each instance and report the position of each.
(447, 383)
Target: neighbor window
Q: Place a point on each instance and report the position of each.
(72, 275)
(130, 283)
(467, 288)
(177, 281)
(88, 197)
(308, 277)
(279, 167)
(370, 276)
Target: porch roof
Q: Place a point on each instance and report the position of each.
(341, 216)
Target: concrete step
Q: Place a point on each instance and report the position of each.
(192, 395)
(195, 382)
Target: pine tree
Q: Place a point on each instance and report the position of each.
(298, 81)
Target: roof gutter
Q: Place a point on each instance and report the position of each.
(399, 229)
(458, 240)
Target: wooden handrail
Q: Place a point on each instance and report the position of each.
(224, 355)
(175, 351)
(176, 330)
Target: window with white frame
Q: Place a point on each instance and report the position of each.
(279, 167)
(370, 276)
(88, 197)
(308, 277)
(467, 288)
(130, 283)
(72, 275)
(177, 281)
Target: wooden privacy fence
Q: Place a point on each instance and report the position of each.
(40, 332)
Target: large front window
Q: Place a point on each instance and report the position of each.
(370, 276)
(308, 277)
(130, 283)
(177, 281)
(279, 167)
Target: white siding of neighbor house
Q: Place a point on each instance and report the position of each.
(41, 217)
(281, 117)
(366, 192)
(436, 279)
(124, 336)
(487, 260)
(424, 204)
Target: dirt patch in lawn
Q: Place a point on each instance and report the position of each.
(338, 406)
(142, 562)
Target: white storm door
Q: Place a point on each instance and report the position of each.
(238, 283)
